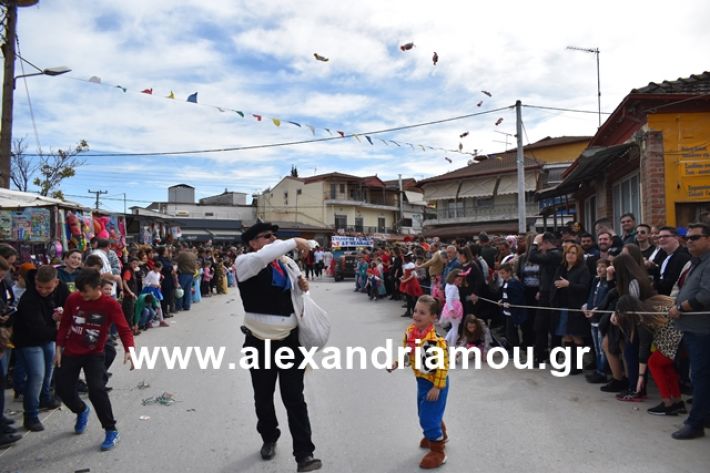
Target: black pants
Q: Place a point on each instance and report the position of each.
(291, 386)
(542, 328)
(95, 373)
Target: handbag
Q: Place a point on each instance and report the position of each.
(313, 324)
(179, 292)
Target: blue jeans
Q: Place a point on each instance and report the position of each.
(147, 316)
(631, 357)
(185, 302)
(38, 362)
(600, 355)
(699, 352)
(431, 413)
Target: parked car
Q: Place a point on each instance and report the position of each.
(345, 266)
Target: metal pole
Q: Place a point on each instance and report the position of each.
(522, 223)
(401, 205)
(8, 85)
(599, 89)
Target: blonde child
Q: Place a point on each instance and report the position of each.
(453, 309)
(432, 384)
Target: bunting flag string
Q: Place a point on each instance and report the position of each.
(276, 121)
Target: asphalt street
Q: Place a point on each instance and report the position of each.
(362, 420)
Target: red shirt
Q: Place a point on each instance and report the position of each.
(84, 326)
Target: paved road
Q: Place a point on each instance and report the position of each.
(363, 420)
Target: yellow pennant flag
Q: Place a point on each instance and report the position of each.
(171, 95)
(276, 121)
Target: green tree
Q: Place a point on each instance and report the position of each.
(55, 167)
(294, 171)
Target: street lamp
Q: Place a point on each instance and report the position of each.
(50, 71)
(599, 90)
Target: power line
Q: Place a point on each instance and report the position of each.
(314, 140)
(560, 109)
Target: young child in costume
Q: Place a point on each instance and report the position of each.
(432, 383)
(453, 309)
(474, 333)
(409, 285)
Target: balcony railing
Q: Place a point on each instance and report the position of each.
(480, 214)
(363, 229)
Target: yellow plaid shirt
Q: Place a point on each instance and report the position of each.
(437, 377)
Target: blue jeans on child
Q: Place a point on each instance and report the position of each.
(431, 413)
(147, 317)
(39, 365)
(600, 360)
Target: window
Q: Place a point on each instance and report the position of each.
(209, 214)
(590, 212)
(625, 198)
(380, 225)
(341, 221)
(358, 224)
(285, 198)
(342, 188)
(407, 222)
(484, 202)
(333, 191)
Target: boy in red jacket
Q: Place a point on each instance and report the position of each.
(83, 330)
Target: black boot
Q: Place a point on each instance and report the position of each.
(573, 359)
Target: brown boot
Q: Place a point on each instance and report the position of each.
(436, 456)
(424, 442)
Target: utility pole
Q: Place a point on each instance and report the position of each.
(98, 193)
(8, 85)
(522, 220)
(401, 205)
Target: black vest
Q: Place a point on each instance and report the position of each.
(261, 297)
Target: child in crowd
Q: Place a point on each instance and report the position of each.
(151, 282)
(453, 309)
(207, 275)
(409, 284)
(375, 284)
(220, 278)
(361, 274)
(197, 285)
(82, 334)
(597, 295)
(512, 292)
(432, 384)
(475, 333)
(147, 309)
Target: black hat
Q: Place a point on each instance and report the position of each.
(257, 228)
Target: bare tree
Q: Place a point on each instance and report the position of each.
(22, 169)
(54, 167)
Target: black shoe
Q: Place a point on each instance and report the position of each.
(679, 408)
(6, 420)
(33, 425)
(596, 378)
(615, 386)
(7, 429)
(662, 410)
(687, 432)
(268, 450)
(49, 404)
(309, 464)
(9, 439)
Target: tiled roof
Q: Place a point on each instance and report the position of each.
(557, 141)
(496, 164)
(323, 177)
(695, 84)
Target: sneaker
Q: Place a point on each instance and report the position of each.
(112, 438)
(679, 408)
(632, 397)
(662, 410)
(687, 432)
(615, 386)
(7, 429)
(309, 464)
(4, 420)
(82, 419)
(8, 439)
(596, 378)
(33, 425)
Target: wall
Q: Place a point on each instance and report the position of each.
(565, 153)
(686, 159)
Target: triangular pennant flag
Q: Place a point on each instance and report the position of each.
(294, 123)
(241, 114)
(392, 141)
(258, 117)
(422, 147)
(383, 141)
(328, 130)
(370, 140)
(276, 121)
(192, 98)
(312, 128)
(171, 95)
(95, 79)
(341, 133)
(147, 91)
(122, 88)
(410, 144)
(357, 138)
(220, 109)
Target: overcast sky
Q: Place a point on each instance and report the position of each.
(257, 57)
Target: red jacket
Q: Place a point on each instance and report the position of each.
(84, 326)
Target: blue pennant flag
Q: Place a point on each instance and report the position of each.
(192, 98)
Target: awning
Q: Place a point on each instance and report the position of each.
(509, 183)
(441, 191)
(477, 187)
(225, 234)
(591, 163)
(10, 199)
(455, 231)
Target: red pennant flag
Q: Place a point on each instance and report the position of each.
(147, 91)
(341, 133)
(258, 117)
